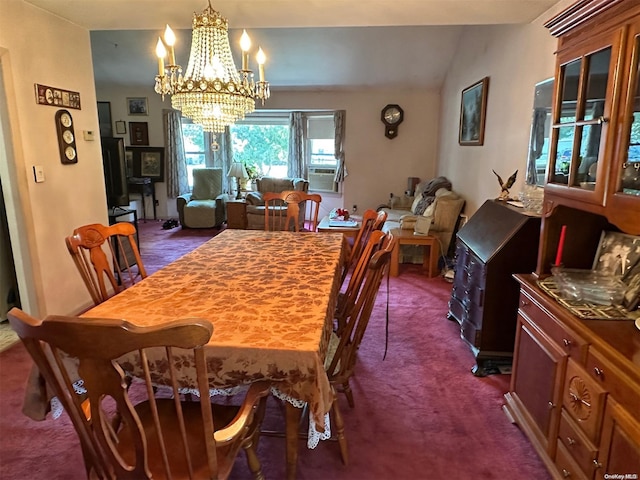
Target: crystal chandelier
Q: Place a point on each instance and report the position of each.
(212, 92)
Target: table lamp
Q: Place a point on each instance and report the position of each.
(238, 171)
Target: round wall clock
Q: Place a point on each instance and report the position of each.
(66, 137)
(392, 116)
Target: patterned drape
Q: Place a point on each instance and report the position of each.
(223, 157)
(177, 177)
(296, 165)
(341, 171)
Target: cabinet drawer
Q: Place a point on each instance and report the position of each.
(583, 399)
(567, 466)
(457, 310)
(569, 342)
(611, 379)
(577, 444)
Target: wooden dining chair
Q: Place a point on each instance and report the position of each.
(109, 252)
(130, 433)
(371, 221)
(291, 210)
(347, 298)
(342, 351)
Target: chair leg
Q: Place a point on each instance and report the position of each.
(346, 389)
(339, 427)
(250, 445)
(252, 459)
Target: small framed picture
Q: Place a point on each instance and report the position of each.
(148, 162)
(139, 133)
(137, 106)
(121, 127)
(473, 110)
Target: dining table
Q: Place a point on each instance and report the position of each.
(271, 298)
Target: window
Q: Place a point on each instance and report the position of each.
(195, 147)
(321, 140)
(261, 142)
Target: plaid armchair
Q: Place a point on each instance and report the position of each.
(206, 205)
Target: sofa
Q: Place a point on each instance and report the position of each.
(255, 200)
(205, 206)
(437, 204)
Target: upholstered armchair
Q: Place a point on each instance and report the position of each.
(205, 206)
(436, 202)
(255, 200)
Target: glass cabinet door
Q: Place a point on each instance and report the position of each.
(630, 174)
(579, 119)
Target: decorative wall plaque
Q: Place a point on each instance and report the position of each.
(56, 97)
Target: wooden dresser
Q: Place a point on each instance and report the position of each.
(575, 388)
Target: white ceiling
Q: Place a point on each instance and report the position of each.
(319, 43)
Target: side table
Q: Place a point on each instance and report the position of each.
(349, 232)
(237, 214)
(431, 250)
(144, 186)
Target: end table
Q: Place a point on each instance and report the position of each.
(237, 214)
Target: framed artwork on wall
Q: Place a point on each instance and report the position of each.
(137, 106)
(121, 127)
(139, 133)
(147, 162)
(473, 110)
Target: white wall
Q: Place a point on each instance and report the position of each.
(117, 97)
(36, 47)
(515, 57)
(377, 165)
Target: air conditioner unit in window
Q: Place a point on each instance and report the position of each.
(321, 179)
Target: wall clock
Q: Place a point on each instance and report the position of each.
(391, 116)
(66, 137)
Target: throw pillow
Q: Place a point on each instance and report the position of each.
(254, 198)
(415, 203)
(423, 203)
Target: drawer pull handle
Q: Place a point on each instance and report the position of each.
(597, 464)
(566, 473)
(551, 405)
(571, 441)
(598, 372)
(566, 343)
(524, 303)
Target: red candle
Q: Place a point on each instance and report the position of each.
(561, 245)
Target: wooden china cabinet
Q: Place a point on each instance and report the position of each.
(575, 388)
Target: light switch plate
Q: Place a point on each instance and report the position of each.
(38, 173)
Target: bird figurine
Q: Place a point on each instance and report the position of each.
(505, 186)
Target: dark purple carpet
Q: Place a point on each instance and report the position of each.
(419, 414)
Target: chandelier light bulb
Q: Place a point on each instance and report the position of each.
(245, 45)
(161, 52)
(261, 58)
(170, 40)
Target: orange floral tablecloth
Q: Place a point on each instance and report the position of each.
(270, 297)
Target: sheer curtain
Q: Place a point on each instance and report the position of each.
(177, 177)
(223, 157)
(341, 171)
(296, 167)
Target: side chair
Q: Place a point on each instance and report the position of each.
(343, 349)
(130, 433)
(371, 221)
(110, 252)
(347, 299)
(290, 210)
